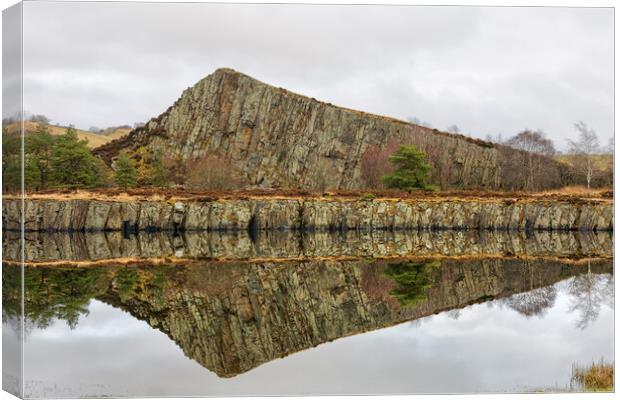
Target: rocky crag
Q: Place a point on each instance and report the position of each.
(281, 139)
(307, 214)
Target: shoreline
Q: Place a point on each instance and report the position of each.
(175, 194)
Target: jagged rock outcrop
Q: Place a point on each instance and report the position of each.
(78, 246)
(312, 214)
(281, 139)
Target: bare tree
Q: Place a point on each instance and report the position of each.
(536, 145)
(40, 118)
(584, 149)
(453, 129)
(497, 138)
(454, 314)
(375, 164)
(418, 121)
(610, 146)
(589, 291)
(535, 302)
(214, 172)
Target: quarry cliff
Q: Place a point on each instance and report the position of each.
(277, 138)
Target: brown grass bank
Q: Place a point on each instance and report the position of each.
(570, 194)
(596, 377)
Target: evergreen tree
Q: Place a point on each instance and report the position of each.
(73, 165)
(413, 279)
(126, 282)
(32, 175)
(410, 170)
(38, 148)
(125, 171)
(105, 175)
(11, 164)
(53, 294)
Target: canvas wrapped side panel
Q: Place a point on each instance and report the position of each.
(12, 186)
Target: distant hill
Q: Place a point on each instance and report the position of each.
(278, 138)
(94, 139)
(602, 162)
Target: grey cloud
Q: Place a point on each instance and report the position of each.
(488, 70)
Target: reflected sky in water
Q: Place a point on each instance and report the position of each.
(480, 348)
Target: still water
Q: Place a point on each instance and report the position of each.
(509, 314)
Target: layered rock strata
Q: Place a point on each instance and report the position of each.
(308, 214)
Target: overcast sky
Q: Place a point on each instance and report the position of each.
(487, 70)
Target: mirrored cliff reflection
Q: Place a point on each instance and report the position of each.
(233, 316)
(80, 246)
(275, 312)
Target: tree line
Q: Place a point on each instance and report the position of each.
(584, 163)
(582, 155)
(61, 161)
(66, 162)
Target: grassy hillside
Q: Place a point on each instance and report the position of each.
(94, 139)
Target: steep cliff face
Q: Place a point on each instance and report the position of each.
(312, 213)
(282, 139)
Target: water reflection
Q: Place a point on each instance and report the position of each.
(232, 317)
(589, 291)
(109, 245)
(233, 303)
